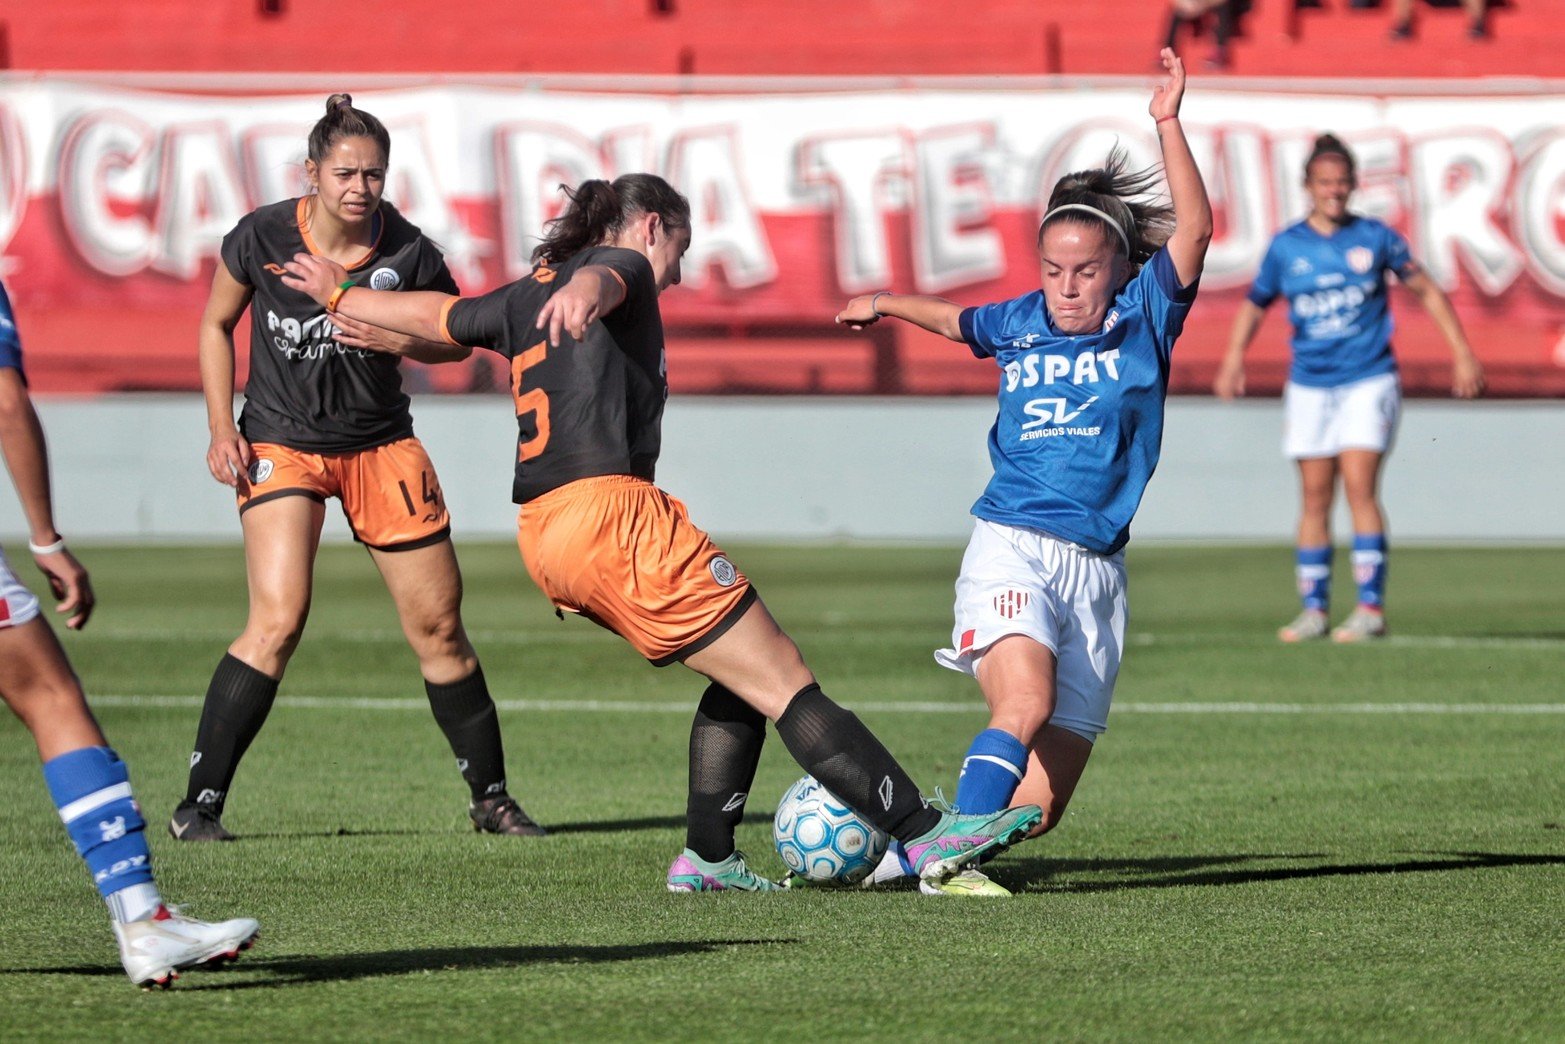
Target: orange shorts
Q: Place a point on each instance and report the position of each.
(624, 554)
(390, 494)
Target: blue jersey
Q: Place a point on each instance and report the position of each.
(1336, 291)
(10, 341)
(1080, 425)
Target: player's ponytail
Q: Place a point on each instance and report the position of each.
(1117, 200)
(341, 121)
(598, 210)
(1331, 145)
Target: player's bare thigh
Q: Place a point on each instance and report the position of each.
(1017, 676)
(39, 686)
(756, 661)
(282, 537)
(426, 585)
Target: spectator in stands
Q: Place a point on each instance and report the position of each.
(1193, 14)
(1402, 19)
(1343, 395)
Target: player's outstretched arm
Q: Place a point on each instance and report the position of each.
(1467, 380)
(1192, 210)
(415, 313)
(355, 334)
(592, 293)
(935, 314)
(27, 457)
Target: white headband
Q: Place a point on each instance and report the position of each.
(1123, 238)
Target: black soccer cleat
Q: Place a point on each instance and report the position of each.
(193, 821)
(502, 815)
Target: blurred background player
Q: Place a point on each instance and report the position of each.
(325, 416)
(1343, 396)
(584, 334)
(1040, 602)
(87, 780)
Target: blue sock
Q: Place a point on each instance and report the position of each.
(991, 772)
(1313, 570)
(91, 789)
(1369, 567)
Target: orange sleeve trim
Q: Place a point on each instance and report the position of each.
(620, 278)
(445, 318)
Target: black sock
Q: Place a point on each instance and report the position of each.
(237, 703)
(725, 748)
(834, 746)
(466, 714)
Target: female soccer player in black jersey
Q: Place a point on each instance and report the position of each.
(325, 416)
(585, 339)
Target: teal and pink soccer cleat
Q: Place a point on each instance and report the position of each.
(959, 840)
(691, 873)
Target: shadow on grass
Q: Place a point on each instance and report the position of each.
(288, 971)
(1040, 874)
(614, 826)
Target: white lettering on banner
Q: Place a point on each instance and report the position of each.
(199, 197)
(952, 199)
(13, 175)
(413, 186)
(851, 172)
(1459, 183)
(627, 150)
(1538, 211)
(532, 160)
(1228, 157)
(725, 227)
(274, 161)
(107, 161)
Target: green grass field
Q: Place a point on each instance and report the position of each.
(1318, 843)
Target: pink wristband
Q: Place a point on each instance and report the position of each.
(1160, 119)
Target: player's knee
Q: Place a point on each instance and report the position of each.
(276, 631)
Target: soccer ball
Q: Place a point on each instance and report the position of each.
(822, 839)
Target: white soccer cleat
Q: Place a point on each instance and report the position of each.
(964, 882)
(154, 950)
(1306, 627)
(1362, 625)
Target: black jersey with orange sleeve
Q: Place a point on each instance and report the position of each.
(583, 408)
(306, 390)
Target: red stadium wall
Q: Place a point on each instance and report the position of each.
(85, 335)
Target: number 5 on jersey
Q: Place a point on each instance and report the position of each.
(535, 401)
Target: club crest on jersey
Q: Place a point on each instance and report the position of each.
(1009, 603)
(1361, 259)
(260, 471)
(384, 279)
(1300, 266)
(723, 572)
(1112, 320)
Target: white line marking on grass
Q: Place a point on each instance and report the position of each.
(1401, 641)
(394, 703)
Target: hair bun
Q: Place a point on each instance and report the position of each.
(338, 101)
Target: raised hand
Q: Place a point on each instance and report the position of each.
(859, 313)
(1167, 95)
(314, 275)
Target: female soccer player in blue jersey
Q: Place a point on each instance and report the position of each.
(88, 782)
(1343, 397)
(1040, 602)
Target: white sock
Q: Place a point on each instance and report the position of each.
(136, 903)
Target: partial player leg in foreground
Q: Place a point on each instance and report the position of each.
(91, 789)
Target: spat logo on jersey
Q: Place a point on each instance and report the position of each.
(1051, 415)
(315, 338)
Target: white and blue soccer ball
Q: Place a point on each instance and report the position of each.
(822, 839)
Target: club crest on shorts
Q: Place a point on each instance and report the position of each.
(1361, 259)
(1009, 603)
(260, 471)
(384, 279)
(723, 572)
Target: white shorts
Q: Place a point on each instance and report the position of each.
(1322, 422)
(18, 605)
(1021, 581)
